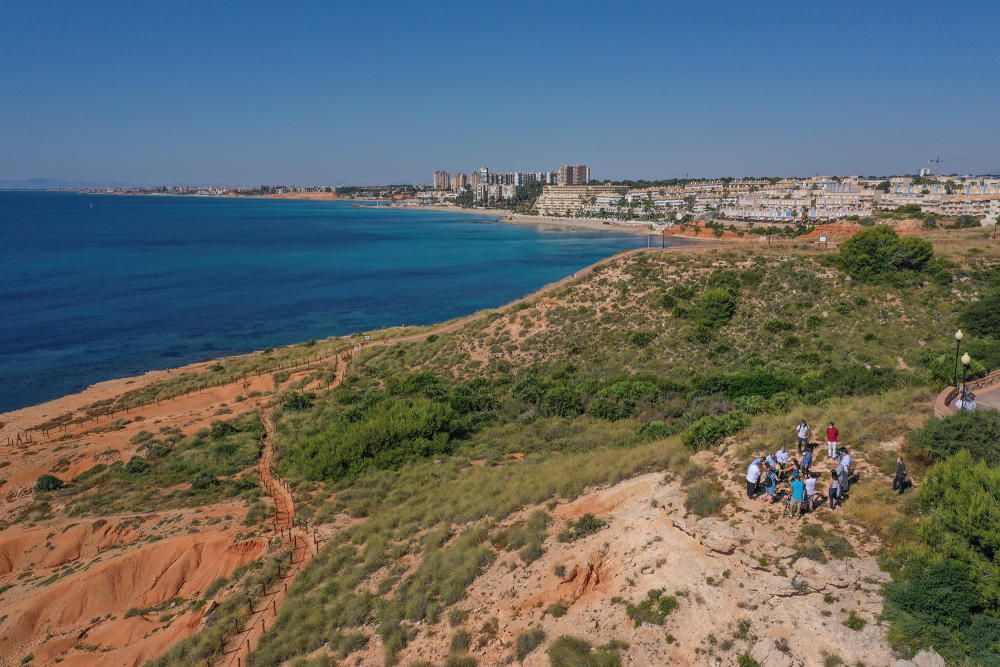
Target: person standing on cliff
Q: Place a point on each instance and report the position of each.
(832, 440)
(753, 477)
(899, 481)
(802, 435)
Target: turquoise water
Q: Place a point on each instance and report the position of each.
(139, 283)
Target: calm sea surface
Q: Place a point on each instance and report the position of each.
(99, 287)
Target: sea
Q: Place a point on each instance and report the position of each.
(94, 287)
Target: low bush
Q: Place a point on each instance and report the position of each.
(653, 610)
(983, 317)
(656, 430)
(855, 622)
(713, 308)
(48, 483)
(946, 594)
(137, 466)
(878, 254)
(710, 430)
(705, 498)
(298, 402)
(588, 524)
(974, 431)
(387, 434)
(570, 651)
(527, 642)
(642, 338)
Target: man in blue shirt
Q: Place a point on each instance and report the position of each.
(798, 495)
(807, 461)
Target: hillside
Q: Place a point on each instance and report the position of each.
(560, 481)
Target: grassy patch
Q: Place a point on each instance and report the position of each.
(653, 610)
(573, 652)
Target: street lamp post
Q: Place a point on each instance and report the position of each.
(966, 362)
(958, 344)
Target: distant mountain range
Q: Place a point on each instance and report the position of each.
(54, 184)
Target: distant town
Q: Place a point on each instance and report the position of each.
(570, 192)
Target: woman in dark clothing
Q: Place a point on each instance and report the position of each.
(899, 481)
(834, 492)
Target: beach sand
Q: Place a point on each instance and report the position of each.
(641, 228)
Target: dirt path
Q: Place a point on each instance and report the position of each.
(302, 544)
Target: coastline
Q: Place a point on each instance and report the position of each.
(27, 417)
(639, 228)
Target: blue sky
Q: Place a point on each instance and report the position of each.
(349, 92)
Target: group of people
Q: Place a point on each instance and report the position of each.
(766, 472)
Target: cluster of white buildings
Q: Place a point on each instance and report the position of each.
(820, 199)
(817, 199)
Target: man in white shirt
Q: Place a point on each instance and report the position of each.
(802, 435)
(845, 461)
(810, 491)
(781, 456)
(753, 476)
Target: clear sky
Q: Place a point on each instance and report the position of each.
(364, 92)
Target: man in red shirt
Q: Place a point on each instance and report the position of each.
(832, 440)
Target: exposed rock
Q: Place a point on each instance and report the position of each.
(767, 654)
(717, 535)
(927, 658)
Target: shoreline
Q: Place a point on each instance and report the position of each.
(19, 419)
(115, 385)
(509, 217)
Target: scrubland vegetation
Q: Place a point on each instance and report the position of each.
(632, 369)
(435, 448)
(169, 471)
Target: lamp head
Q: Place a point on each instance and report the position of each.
(966, 359)
(959, 335)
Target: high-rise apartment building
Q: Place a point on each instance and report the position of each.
(459, 181)
(441, 181)
(570, 174)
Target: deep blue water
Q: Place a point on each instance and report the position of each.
(140, 283)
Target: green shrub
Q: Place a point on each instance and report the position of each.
(222, 429)
(48, 483)
(389, 433)
(588, 524)
(653, 610)
(878, 254)
(947, 593)
(705, 498)
(655, 430)
(854, 622)
(714, 308)
(778, 326)
(137, 466)
(459, 642)
(983, 317)
(573, 652)
(555, 610)
(710, 430)
(737, 384)
(642, 338)
(527, 642)
(974, 431)
(298, 402)
(562, 400)
(608, 408)
(204, 480)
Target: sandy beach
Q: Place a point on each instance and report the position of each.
(521, 219)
